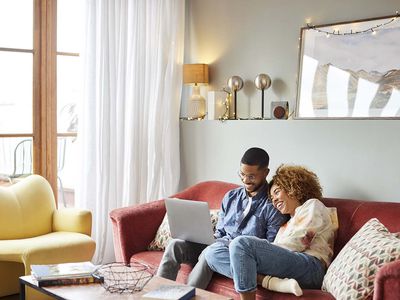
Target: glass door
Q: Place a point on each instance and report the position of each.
(16, 90)
(70, 29)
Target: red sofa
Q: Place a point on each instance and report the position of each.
(134, 228)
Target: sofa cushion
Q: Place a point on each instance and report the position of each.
(351, 275)
(55, 247)
(163, 234)
(223, 285)
(152, 260)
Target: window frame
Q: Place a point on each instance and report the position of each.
(45, 91)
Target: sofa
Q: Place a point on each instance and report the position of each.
(34, 231)
(134, 228)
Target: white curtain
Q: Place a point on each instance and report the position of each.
(129, 125)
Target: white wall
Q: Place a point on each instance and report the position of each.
(353, 158)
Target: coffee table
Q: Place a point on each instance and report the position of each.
(96, 291)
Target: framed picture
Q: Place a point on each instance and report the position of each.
(350, 70)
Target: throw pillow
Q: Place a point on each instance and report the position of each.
(351, 275)
(163, 234)
(162, 237)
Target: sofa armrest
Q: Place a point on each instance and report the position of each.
(72, 220)
(134, 227)
(387, 282)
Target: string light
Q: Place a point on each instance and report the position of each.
(228, 100)
(372, 30)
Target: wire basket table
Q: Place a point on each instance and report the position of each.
(125, 278)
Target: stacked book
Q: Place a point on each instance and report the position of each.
(66, 274)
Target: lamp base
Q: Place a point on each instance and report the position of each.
(197, 105)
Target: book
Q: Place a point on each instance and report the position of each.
(173, 292)
(59, 271)
(71, 281)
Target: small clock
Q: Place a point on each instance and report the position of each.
(279, 110)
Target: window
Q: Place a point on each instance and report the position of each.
(40, 90)
(16, 101)
(69, 92)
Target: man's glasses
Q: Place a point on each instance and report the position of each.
(250, 178)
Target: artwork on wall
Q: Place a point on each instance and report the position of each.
(350, 70)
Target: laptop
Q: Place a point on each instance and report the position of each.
(190, 220)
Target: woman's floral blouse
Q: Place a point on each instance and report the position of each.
(311, 230)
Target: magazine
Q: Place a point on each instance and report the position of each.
(59, 271)
(71, 281)
(173, 292)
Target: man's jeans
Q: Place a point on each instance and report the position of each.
(248, 255)
(178, 252)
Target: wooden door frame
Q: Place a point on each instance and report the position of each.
(45, 91)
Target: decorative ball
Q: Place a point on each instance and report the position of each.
(262, 81)
(235, 83)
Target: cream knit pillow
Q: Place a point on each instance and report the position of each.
(351, 275)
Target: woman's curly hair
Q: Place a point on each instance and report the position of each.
(298, 182)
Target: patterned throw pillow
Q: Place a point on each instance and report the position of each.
(351, 275)
(163, 234)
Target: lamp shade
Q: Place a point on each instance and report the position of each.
(195, 73)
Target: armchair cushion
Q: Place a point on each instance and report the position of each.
(352, 273)
(53, 247)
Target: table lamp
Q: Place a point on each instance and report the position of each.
(262, 82)
(235, 83)
(196, 74)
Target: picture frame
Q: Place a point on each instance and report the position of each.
(350, 70)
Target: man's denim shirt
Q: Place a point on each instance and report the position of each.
(263, 219)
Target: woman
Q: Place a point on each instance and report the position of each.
(303, 247)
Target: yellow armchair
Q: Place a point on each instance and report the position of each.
(33, 231)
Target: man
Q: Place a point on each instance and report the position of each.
(245, 211)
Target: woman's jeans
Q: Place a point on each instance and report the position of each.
(248, 256)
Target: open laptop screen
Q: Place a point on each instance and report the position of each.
(189, 220)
